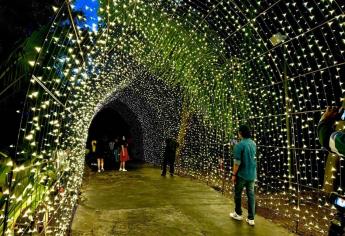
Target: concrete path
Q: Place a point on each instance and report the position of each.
(141, 202)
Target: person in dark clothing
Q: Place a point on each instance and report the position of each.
(331, 139)
(101, 153)
(116, 152)
(93, 153)
(169, 156)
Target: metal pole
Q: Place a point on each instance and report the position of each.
(287, 119)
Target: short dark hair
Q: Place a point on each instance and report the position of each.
(244, 131)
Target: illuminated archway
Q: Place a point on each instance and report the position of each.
(274, 65)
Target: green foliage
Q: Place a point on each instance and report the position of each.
(181, 56)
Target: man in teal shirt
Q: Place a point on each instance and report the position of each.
(244, 174)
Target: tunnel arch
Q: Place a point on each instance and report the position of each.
(218, 60)
(115, 120)
(156, 109)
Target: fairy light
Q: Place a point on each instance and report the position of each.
(194, 69)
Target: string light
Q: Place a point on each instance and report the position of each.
(192, 69)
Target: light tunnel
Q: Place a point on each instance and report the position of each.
(191, 69)
(152, 112)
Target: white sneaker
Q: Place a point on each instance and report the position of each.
(250, 222)
(235, 216)
(99, 171)
(120, 169)
(124, 170)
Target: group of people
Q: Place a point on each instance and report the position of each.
(116, 149)
(244, 171)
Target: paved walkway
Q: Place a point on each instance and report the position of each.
(141, 202)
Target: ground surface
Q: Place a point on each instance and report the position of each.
(141, 202)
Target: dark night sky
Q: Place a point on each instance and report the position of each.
(18, 20)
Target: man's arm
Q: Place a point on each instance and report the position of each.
(237, 162)
(235, 169)
(325, 127)
(234, 173)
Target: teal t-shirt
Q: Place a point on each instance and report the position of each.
(244, 156)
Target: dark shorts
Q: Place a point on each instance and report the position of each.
(96, 155)
(93, 155)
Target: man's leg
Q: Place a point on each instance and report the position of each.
(171, 169)
(238, 195)
(251, 199)
(164, 166)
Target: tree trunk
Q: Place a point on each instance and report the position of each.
(185, 117)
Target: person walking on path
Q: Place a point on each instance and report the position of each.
(123, 154)
(112, 151)
(93, 153)
(244, 174)
(111, 146)
(169, 156)
(101, 152)
(116, 152)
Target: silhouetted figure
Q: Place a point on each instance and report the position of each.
(101, 151)
(169, 156)
(116, 152)
(113, 152)
(111, 146)
(93, 150)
